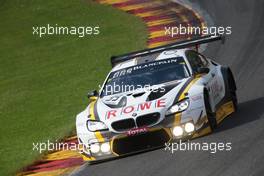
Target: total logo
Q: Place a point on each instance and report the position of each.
(136, 131)
(131, 110)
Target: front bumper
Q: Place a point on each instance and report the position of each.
(123, 144)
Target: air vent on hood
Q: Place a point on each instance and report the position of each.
(138, 94)
(155, 94)
(122, 103)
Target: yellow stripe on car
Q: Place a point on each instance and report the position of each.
(177, 117)
(98, 134)
(225, 110)
(188, 87)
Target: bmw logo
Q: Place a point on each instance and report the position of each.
(134, 114)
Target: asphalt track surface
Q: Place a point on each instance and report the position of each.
(244, 53)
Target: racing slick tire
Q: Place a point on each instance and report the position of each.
(210, 114)
(230, 85)
(232, 88)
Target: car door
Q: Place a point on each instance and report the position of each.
(209, 80)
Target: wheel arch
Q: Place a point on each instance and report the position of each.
(228, 78)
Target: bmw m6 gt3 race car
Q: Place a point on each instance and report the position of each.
(155, 96)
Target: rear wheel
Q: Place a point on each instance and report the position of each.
(210, 114)
(232, 88)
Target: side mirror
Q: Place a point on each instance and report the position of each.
(202, 70)
(93, 93)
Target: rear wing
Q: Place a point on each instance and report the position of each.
(177, 45)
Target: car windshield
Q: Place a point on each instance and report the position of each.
(145, 75)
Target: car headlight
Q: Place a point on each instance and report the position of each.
(105, 147)
(95, 148)
(93, 126)
(177, 131)
(178, 107)
(189, 127)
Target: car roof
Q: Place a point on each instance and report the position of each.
(152, 57)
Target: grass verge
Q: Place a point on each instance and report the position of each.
(43, 81)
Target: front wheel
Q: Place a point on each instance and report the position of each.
(210, 115)
(232, 88)
(234, 99)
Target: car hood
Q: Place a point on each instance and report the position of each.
(140, 102)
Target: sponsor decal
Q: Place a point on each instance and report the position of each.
(196, 97)
(216, 89)
(155, 64)
(130, 110)
(136, 131)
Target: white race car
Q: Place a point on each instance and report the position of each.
(155, 96)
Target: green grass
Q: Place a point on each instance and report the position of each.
(44, 81)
